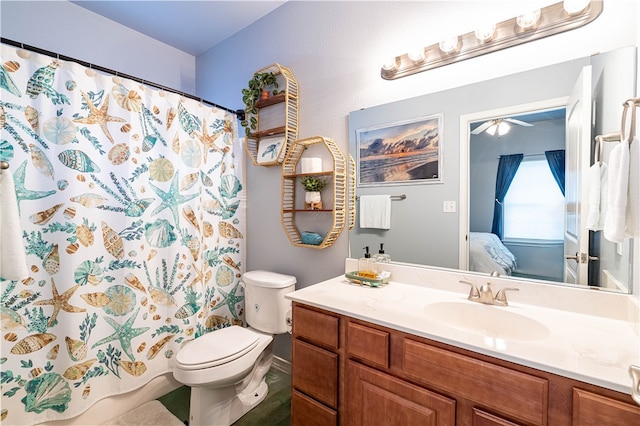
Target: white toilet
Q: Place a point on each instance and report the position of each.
(226, 368)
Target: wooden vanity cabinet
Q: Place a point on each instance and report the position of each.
(388, 377)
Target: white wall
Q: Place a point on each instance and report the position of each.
(70, 30)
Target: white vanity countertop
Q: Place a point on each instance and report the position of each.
(596, 350)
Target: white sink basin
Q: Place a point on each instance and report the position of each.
(486, 320)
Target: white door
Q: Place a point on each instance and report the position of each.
(577, 162)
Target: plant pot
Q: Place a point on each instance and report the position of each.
(312, 200)
(264, 95)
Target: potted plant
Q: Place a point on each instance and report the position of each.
(313, 185)
(252, 94)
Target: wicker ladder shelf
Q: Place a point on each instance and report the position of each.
(290, 179)
(282, 123)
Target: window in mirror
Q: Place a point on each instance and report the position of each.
(534, 204)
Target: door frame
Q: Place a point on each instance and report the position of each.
(465, 141)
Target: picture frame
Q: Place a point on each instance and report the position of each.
(400, 153)
(269, 149)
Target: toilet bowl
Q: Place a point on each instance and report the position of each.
(226, 368)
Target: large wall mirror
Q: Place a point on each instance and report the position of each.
(432, 223)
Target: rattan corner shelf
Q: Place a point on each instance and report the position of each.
(334, 216)
(283, 122)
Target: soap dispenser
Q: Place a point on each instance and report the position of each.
(367, 267)
(381, 257)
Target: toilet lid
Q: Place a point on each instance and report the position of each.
(218, 347)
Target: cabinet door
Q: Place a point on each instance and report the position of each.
(308, 412)
(590, 409)
(375, 398)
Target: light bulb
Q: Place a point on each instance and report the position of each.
(449, 45)
(574, 7)
(390, 65)
(529, 19)
(503, 128)
(416, 55)
(485, 33)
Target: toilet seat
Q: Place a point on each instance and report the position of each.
(217, 348)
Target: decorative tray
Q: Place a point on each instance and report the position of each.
(382, 279)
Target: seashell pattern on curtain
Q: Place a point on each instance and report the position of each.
(130, 205)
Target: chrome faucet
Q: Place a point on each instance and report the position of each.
(484, 294)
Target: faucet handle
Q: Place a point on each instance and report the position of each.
(501, 296)
(474, 294)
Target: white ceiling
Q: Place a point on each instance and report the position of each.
(191, 26)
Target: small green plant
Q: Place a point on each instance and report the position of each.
(251, 95)
(313, 184)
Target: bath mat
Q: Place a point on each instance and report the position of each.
(151, 413)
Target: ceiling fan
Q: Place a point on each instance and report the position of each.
(499, 125)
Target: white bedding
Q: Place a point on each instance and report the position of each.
(488, 254)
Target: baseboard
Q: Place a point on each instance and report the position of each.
(281, 364)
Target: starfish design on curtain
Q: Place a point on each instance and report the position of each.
(125, 333)
(230, 300)
(23, 193)
(171, 199)
(208, 140)
(99, 116)
(60, 302)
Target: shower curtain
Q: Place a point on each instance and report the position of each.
(131, 207)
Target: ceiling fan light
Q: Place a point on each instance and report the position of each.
(492, 129)
(503, 128)
(528, 19)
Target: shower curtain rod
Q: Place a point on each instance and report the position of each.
(239, 113)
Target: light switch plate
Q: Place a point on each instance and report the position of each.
(449, 206)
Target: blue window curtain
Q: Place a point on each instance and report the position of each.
(556, 164)
(507, 168)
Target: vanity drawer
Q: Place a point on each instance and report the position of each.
(315, 372)
(590, 409)
(307, 412)
(316, 327)
(512, 393)
(368, 344)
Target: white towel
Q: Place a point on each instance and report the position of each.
(598, 189)
(614, 224)
(633, 204)
(375, 211)
(13, 261)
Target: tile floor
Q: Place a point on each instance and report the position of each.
(275, 410)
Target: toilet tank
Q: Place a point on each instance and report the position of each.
(265, 306)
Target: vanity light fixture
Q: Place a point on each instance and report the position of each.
(553, 19)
